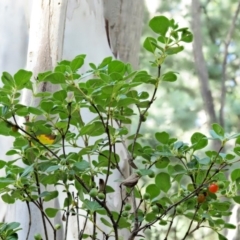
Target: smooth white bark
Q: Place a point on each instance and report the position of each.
(61, 30)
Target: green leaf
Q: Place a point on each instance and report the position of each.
(105, 62)
(93, 129)
(163, 181)
(2, 164)
(49, 195)
(5, 182)
(77, 63)
(162, 137)
(109, 189)
(116, 66)
(55, 78)
(105, 222)
(92, 206)
(221, 237)
(4, 129)
(153, 190)
(162, 162)
(235, 174)
(35, 111)
(27, 170)
(20, 142)
(46, 106)
(51, 212)
(144, 172)
(151, 216)
(187, 37)
(93, 66)
(60, 95)
(221, 206)
(123, 223)
(61, 68)
(41, 76)
(52, 168)
(124, 102)
(174, 50)
(204, 161)
(21, 110)
(218, 129)
(7, 79)
(8, 199)
(22, 78)
(159, 24)
(237, 150)
(199, 141)
(229, 226)
(236, 199)
(82, 166)
(169, 77)
(148, 44)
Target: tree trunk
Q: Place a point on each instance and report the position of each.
(62, 30)
(200, 64)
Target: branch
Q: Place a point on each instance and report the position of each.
(30, 219)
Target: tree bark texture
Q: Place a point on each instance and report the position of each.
(200, 63)
(44, 31)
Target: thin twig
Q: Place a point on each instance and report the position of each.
(190, 225)
(80, 236)
(170, 225)
(30, 219)
(103, 204)
(67, 215)
(41, 204)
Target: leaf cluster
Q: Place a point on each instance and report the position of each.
(84, 153)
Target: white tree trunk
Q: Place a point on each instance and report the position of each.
(61, 30)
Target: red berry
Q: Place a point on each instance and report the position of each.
(201, 198)
(213, 188)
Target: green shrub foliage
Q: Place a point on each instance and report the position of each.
(58, 146)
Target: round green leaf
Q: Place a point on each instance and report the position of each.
(8, 199)
(60, 95)
(236, 199)
(235, 174)
(159, 24)
(55, 78)
(116, 66)
(162, 137)
(162, 162)
(163, 181)
(169, 77)
(199, 141)
(148, 44)
(22, 77)
(153, 190)
(187, 37)
(51, 212)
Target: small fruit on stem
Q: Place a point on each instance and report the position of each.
(201, 198)
(93, 192)
(213, 188)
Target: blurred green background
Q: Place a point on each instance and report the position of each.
(180, 107)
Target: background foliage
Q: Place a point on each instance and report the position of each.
(179, 108)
